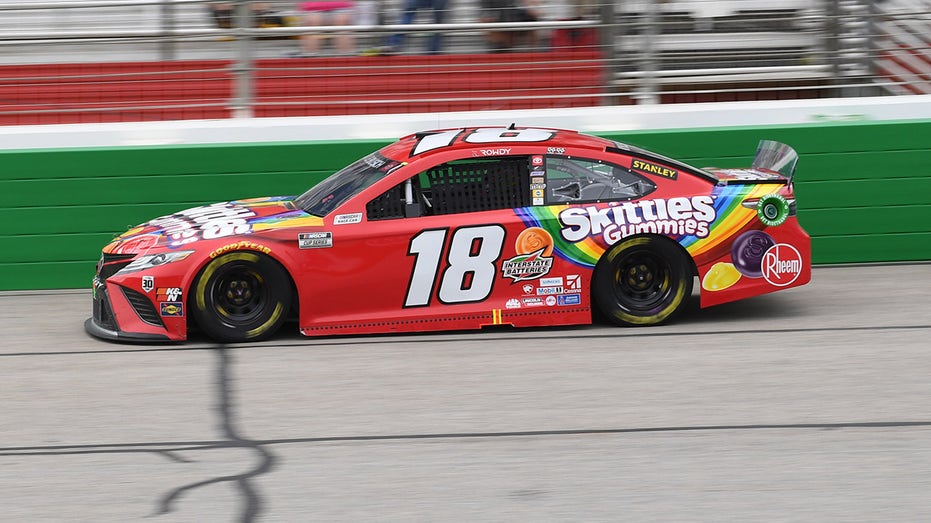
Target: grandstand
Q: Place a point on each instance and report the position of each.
(129, 60)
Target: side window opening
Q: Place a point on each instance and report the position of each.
(457, 187)
(402, 200)
(482, 185)
(578, 180)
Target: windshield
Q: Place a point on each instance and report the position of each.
(327, 195)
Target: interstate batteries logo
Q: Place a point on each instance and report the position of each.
(782, 264)
(534, 247)
(672, 217)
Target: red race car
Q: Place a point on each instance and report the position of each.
(460, 229)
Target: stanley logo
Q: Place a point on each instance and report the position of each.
(652, 168)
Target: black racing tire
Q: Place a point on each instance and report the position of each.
(642, 281)
(241, 296)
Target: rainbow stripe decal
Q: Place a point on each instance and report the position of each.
(732, 219)
(704, 225)
(584, 253)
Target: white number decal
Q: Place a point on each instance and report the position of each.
(435, 141)
(470, 271)
(486, 135)
(427, 247)
(508, 135)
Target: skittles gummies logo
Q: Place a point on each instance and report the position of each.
(534, 248)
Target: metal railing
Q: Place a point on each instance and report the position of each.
(127, 60)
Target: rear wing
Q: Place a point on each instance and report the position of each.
(777, 157)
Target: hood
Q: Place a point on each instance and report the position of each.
(208, 222)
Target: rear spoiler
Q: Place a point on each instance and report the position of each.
(777, 157)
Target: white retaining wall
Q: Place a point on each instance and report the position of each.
(593, 119)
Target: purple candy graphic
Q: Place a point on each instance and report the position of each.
(747, 252)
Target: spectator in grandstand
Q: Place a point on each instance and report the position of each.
(510, 11)
(438, 8)
(323, 13)
(578, 38)
(262, 15)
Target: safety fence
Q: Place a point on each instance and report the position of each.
(76, 61)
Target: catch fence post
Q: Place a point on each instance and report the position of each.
(243, 67)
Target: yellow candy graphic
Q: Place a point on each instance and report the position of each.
(721, 276)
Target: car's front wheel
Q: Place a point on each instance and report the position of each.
(241, 296)
(642, 281)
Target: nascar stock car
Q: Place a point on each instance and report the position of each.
(461, 229)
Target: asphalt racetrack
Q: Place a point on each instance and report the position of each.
(812, 404)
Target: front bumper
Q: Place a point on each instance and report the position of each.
(126, 315)
(103, 324)
(97, 331)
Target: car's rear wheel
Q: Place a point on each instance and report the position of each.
(241, 296)
(642, 281)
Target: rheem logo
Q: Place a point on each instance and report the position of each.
(782, 264)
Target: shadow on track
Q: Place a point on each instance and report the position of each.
(225, 409)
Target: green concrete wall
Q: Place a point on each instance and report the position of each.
(864, 189)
